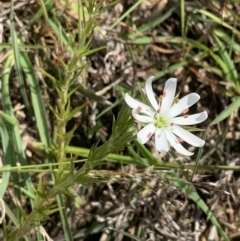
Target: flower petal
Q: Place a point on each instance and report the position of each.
(176, 144)
(146, 133)
(191, 119)
(183, 104)
(187, 136)
(142, 118)
(161, 141)
(139, 106)
(168, 94)
(150, 94)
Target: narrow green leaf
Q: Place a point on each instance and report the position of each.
(179, 183)
(48, 6)
(16, 52)
(224, 36)
(217, 20)
(227, 112)
(6, 147)
(37, 101)
(151, 24)
(134, 6)
(59, 30)
(9, 119)
(231, 72)
(15, 143)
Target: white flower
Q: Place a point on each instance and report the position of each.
(161, 119)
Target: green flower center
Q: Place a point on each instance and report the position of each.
(160, 121)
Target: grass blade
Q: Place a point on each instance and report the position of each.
(16, 53)
(231, 72)
(6, 157)
(227, 112)
(38, 106)
(177, 182)
(134, 6)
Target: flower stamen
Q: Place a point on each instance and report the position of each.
(139, 108)
(149, 135)
(180, 140)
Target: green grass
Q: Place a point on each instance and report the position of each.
(201, 50)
